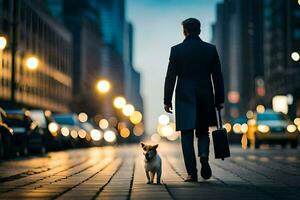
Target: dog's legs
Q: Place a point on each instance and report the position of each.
(158, 176)
(152, 174)
(148, 176)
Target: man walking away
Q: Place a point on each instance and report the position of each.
(199, 90)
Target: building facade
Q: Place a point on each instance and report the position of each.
(281, 39)
(255, 40)
(30, 31)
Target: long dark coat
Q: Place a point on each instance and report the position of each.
(196, 66)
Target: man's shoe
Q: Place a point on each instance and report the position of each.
(205, 168)
(190, 178)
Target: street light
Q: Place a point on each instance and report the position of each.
(119, 102)
(103, 86)
(3, 42)
(2, 47)
(32, 62)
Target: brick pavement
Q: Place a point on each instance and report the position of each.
(117, 173)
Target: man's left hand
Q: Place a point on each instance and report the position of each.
(168, 108)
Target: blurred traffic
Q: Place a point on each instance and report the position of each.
(24, 132)
(264, 126)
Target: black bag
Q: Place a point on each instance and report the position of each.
(220, 140)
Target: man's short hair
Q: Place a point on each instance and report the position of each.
(192, 26)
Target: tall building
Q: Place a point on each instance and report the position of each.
(102, 43)
(281, 39)
(112, 28)
(236, 34)
(81, 18)
(30, 31)
(132, 77)
(255, 40)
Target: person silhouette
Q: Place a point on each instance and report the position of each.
(196, 67)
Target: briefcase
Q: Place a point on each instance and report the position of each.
(220, 140)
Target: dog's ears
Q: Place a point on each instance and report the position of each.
(155, 146)
(143, 145)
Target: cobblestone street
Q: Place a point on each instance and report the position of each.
(117, 173)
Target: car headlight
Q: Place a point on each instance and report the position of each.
(291, 128)
(65, 131)
(263, 128)
(53, 127)
(96, 135)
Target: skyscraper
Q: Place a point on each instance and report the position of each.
(255, 40)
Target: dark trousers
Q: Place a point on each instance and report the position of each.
(187, 144)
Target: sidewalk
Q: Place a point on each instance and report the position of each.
(118, 173)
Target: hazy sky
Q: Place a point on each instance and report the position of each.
(157, 26)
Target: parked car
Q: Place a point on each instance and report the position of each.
(69, 129)
(51, 129)
(274, 127)
(27, 137)
(6, 137)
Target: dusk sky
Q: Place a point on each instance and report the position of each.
(157, 26)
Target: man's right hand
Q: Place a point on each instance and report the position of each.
(168, 108)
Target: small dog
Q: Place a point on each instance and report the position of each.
(152, 163)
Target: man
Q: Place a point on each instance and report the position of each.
(199, 90)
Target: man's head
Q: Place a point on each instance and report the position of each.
(191, 26)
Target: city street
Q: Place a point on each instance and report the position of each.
(117, 173)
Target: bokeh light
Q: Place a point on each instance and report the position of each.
(82, 133)
(48, 113)
(109, 136)
(237, 128)
(103, 124)
(138, 129)
(297, 121)
(32, 63)
(53, 127)
(103, 86)
(82, 117)
(233, 96)
(125, 132)
(227, 126)
(249, 114)
(163, 119)
(244, 128)
(3, 43)
(96, 135)
(74, 134)
(260, 108)
(167, 130)
(136, 117)
(119, 102)
(65, 131)
(128, 110)
(295, 56)
(263, 128)
(291, 128)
